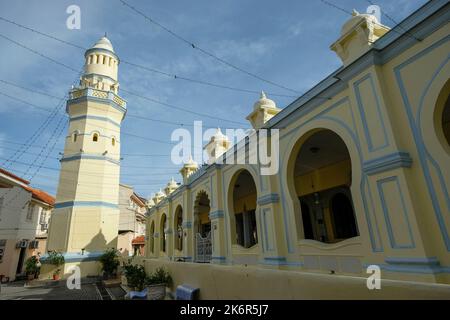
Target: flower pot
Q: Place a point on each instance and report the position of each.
(156, 292)
(56, 277)
(30, 276)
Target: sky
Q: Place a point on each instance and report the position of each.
(286, 42)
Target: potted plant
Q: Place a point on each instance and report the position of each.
(56, 259)
(157, 283)
(110, 262)
(135, 276)
(31, 267)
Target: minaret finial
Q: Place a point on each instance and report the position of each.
(263, 95)
(106, 35)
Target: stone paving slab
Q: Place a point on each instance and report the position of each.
(17, 291)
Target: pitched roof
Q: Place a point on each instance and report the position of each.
(12, 175)
(38, 194)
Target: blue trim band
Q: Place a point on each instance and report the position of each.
(433, 261)
(187, 225)
(221, 258)
(90, 157)
(387, 162)
(70, 204)
(216, 214)
(268, 198)
(95, 118)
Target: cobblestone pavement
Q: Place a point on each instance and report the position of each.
(17, 291)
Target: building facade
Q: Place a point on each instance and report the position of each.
(24, 218)
(132, 222)
(86, 216)
(363, 173)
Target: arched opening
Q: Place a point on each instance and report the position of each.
(95, 137)
(162, 232)
(75, 136)
(152, 237)
(113, 141)
(202, 224)
(322, 177)
(179, 228)
(244, 206)
(441, 117)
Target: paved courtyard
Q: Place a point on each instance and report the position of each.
(17, 291)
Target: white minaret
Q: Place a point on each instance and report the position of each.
(86, 214)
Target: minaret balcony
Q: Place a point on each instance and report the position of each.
(110, 97)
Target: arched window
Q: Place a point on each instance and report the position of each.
(74, 136)
(202, 228)
(179, 228)
(95, 137)
(113, 141)
(320, 176)
(152, 237)
(162, 232)
(244, 205)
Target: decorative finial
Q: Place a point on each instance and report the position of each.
(106, 36)
(263, 95)
(355, 13)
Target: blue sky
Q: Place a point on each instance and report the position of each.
(286, 42)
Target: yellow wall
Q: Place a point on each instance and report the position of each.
(324, 178)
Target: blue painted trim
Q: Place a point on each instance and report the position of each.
(432, 261)
(221, 258)
(187, 224)
(421, 148)
(216, 214)
(388, 162)
(90, 157)
(280, 261)
(386, 213)
(69, 204)
(268, 198)
(275, 258)
(363, 114)
(412, 268)
(95, 118)
(96, 99)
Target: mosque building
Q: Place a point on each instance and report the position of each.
(363, 177)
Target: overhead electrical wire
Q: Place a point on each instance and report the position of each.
(146, 68)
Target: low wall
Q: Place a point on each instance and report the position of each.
(239, 282)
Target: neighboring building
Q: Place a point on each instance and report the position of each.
(363, 179)
(86, 216)
(24, 217)
(132, 222)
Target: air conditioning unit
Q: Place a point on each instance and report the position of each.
(22, 244)
(34, 244)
